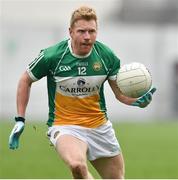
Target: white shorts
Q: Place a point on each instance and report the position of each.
(101, 141)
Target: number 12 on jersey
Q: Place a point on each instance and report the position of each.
(82, 70)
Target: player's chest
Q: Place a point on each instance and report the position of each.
(71, 66)
(75, 77)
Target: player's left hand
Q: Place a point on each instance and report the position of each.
(15, 133)
(144, 100)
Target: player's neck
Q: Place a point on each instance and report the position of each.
(76, 54)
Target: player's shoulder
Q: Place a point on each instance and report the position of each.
(104, 51)
(55, 50)
(102, 47)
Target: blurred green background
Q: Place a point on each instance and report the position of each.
(150, 150)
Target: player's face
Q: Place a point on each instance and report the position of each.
(83, 35)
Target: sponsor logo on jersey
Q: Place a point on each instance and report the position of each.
(81, 82)
(97, 66)
(64, 68)
(79, 91)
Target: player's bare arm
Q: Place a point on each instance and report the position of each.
(23, 93)
(118, 94)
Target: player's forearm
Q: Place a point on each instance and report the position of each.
(126, 100)
(23, 93)
(119, 95)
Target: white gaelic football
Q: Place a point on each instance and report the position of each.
(134, 79)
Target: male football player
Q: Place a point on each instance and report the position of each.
(76, 70)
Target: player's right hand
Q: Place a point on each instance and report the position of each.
(16, 132)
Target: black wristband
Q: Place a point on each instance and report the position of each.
(19, 119)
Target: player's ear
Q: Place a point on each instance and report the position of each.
(70, 31)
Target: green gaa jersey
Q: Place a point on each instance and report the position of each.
(75, 83)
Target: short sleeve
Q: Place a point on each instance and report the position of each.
(38, 68)
(114, 67)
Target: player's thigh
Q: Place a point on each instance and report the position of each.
(71, 149)
(110, 167)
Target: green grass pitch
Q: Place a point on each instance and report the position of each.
(150, 151)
